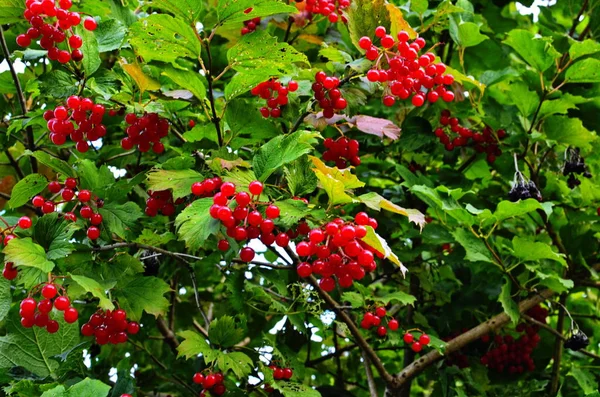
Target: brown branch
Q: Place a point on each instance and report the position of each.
(409, 354)
(20, 96)
(170, 337)
(558, 347)
(420, 365)
(211, 96)
(369, 372)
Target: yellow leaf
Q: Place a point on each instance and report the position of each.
(334, 188)
(377, 242)
(397, 22)
(311, 38)
(348, 180)
(376, 202)
(135, 71)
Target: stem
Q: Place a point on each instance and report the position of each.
(20, 96)
(369, 372)
(409, 354)
(14, 164)
(467, 163)
(211, 97)
(558, 347)
(286, 36)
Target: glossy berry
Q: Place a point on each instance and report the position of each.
(71, 315)
(198, 378)
(93, 233)
(255, 188)
(393, 325)
(424, 339)
(49, 291)
(62, 303)
(408, 338)
(24, 222)
(416, 347)
(247, 254)
(90, 24)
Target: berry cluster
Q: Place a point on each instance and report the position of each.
(374, 319)
(457, 358)
(328, 95)
(161, 201)
(145, 132)
(207, 187)
(110, 327)
(279, 373)
(332, 9)
(577, 340)
(87, 117)
(245, 222)
(405, 72)
(250, 25)
(276, 95)
(342, 151)
(574, 165)
(37, 313)
(10, 272)
(416, 345)
(523, 189)
(212, 383)
(53, 24)
(514, 355)
(484, 142)
(68, 191)
(337, 249)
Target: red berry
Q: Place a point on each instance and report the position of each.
(304, 270)
(416, 347)
(198, 378)
(327, 284)
(364, 43)
(381, 312)
(424, 339)
(61, 303)
(49, 291)
(393, 324)
(133, 328)
(38, 201)
(380, 31)
(408, 338)
(90, 24)
(93, 233)
(84, 196)
(52, 326)
(381, 331)
(255, 188)
(71, 315)
(209, 381)
(287, 373)
(24, 222)
(223, 245)
(247, 254)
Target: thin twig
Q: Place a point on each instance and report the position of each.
(558, 347)
(14, 164)
(211, 97)
(369, 372)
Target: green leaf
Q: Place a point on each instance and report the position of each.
(537, 52)
(94, 288)
(194, 344)
(300, 177)
(260, 53)
(568, 131)
(507, 209)
(355, 299)
(294, 389)
(582, 48)
(585, 379)
(24, 252)
(110, 34)
(187, 79)
(194, 224)
(524, 99)
(26, 188)
(91, 56)
(180, 181)
(237, 11)
(35, 349)
(419, 6)
(376, 202)
(11, 11)
(335, 182)
(243, 82)
(188, 10)
(55, 164)
(239, 363)
(86, 388)
(57, 84)
(282, 149)
(143, 294)
(92, 178)
(5, 297)
(249, 124)
(476, 250)
(223, 332)
(445, 202)
(373, 240)
(528, 250)
(398, 296)
(200, 132)
(466, 34)
(121, 219)
(508, 304)
(151, 237)
(161, 37)
(291, 212)
(584, 71)
(54, 234)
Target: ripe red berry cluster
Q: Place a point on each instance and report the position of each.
(457, 358)
(145, 132)
(110, 327)
(342, 151)
(276, 95)
(245, 222)
(250, 26)
(375, 318)
(211, 382)
(328, 95)
(206, 188)
(485, 141)
(514, 355)
(88, 122)
(337, 249)
(404, 71)
(53, 24)
(416, 345)
(332, 9)
(279, 373)
(161, 201)
(68, 191)
(37, 313)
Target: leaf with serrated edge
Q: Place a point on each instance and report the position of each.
(143, 294)
(92, 286)
(180, 181)
(26, 188)
(236, 11)
(24, 252)
(194, 224)
(194, 344)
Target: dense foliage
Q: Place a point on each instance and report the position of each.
(326, 197)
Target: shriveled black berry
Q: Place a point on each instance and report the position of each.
(577, 341)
